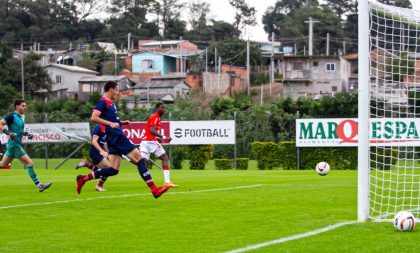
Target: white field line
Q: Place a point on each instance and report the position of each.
(291, 238)
(127, 195)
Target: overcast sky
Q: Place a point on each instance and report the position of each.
(221, 9)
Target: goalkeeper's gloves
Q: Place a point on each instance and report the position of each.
(9, 133)
(30, 136)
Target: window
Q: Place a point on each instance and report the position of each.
(330, 67)
(86, 87)
(315, 64)
(58, 79)
(147, 64)
(297, 66)
(334, 88)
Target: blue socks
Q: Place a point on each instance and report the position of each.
(104, 173)
(144, 172)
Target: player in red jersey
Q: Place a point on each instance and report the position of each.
(150, 142)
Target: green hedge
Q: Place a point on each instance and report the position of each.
(223, 164)
(242, 163)
(267, 154)
(199, 156)
(337, 158)
(178, 156)
(287, 155)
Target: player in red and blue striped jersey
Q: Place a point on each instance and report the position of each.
(105, 113)
(98, 151)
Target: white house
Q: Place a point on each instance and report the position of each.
(65, 80)
(314, 76)
(90, 84)
(164, 85)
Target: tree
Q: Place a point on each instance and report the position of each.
(87, 8)
(398, 3)
(130, 16)
(275, 15)
(340, 7)
(36, 77)
(293, 25)
(198, 14)
(222, 30)
(168, 14)
(244, 16)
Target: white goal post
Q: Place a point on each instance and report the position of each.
(389, 105)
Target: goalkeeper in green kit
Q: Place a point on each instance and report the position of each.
(16, 125)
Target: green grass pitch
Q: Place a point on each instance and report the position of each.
(127, 218)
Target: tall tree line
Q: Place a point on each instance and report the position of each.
(54, 21)
(337, 17)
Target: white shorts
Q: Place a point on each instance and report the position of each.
(151, 147)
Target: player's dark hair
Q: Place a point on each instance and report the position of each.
(110, 85)
(19, 102)
(159, 104)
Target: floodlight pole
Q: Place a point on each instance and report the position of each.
(363, 113)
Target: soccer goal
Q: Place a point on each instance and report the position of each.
(389, 111)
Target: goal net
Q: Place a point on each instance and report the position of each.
(394, 89)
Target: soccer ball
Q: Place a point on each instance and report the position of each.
(404, 221)
(322, 168)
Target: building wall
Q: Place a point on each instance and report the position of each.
(140, 76)
(180, 90)
(211, 85)
(160, 63)
(320, 80)
(157, 59)
(129, 63)
(240, 71)
(69, 79)
(186, 45)
(195, 81)
(169, 65)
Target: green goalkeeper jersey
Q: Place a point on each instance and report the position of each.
(15, 124)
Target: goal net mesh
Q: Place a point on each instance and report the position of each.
(394, 110)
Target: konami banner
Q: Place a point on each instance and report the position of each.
(188, 132)
(344, 132)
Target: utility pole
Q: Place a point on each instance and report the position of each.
(295, 51)
(115, 62)
(22, 71)
(218, 76)
(304, 50)
(272, 62)
(311, 31)
(248, 68)
(129, 41)
(344, 47)
(328, 44)
(207, 59)
(215, 59)
(71, 46)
